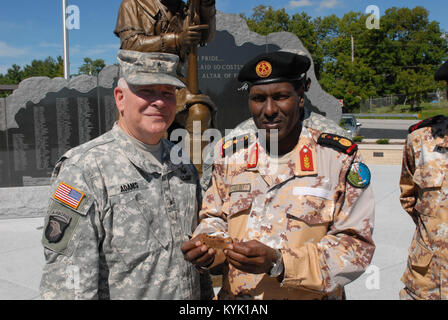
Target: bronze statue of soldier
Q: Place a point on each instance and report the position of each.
(172, 26)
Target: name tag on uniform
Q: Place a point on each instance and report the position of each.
(316, 192)
(240, 188)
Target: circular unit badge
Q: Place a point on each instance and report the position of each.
(345, 142)
(359, 175)
(264, 69)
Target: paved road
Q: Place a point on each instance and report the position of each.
(21, 257)
(385, 129)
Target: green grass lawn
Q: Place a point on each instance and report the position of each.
(428, 110)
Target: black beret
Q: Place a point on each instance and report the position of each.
(274, 67)
(442, 73)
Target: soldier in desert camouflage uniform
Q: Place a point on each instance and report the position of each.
(120, 208)
(302, 222)
(424, 196)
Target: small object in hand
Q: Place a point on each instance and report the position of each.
(215, 242)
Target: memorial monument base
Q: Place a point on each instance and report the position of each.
(23, 202)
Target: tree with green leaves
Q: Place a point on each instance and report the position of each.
(49, 67)
(92, 67)
(400, 57)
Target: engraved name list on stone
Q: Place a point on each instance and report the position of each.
(41, 139)
(64, 125)
(19, 152)
(87, 115)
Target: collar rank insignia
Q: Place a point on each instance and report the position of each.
(306, 159)
(359, 175)
(252, 161)
(234, 144)
(338, 143)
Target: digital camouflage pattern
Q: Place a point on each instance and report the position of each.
(424, 196)
(312, 120)
(305, 207)
(124, 239)
(150, 68)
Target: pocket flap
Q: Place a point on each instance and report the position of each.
(428, 177)
(420, 256)
(239, 202)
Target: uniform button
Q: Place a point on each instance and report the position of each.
(138, 197)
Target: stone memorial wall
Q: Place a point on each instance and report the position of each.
(45, 117)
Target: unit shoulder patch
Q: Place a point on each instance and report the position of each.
(60, 226)
(359, 175)
(338, 143)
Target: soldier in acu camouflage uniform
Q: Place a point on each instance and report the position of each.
(424, 196)
(120, 208)
(301, 222)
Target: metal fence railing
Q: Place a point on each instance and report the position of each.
(370, 105)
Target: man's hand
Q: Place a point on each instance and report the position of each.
(192, 36)
(197, 253)
(251, 257)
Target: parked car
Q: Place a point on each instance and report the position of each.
(350, 124)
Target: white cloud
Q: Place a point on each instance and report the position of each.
(300, 3)
(329, 4)
(97, 50)
(8, 51)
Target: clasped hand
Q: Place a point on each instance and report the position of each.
(250, 257)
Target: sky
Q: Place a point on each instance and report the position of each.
(31, 29)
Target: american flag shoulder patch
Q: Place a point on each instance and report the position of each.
(68, 195)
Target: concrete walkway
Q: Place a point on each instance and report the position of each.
(21, 255)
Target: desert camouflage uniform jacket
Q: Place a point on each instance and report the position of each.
(312, 120)
(118, 235)
(322, 224)
(424, 196)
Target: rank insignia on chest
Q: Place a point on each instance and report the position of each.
(306, 159)
(359, 175)
(68, 195)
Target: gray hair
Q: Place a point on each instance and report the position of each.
(122, 83)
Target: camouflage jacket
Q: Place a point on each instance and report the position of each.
(322, 224)
(116, 222)
(424, 196)
(312, 120)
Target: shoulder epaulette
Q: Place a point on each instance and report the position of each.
(338, 143)
(235, 144)
(427, 123)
